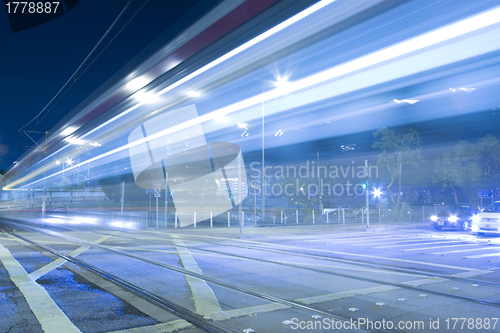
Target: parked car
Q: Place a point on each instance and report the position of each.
(456, 216)
(488, 221)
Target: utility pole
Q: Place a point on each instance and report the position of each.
(166, 197)
(263, 193)
(44, 194)
(367, 196)
(123, 197)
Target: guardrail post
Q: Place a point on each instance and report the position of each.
(327, 217)
(211, 222)
(313, 216)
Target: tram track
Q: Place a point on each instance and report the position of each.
(171, 307)
(253, 246)
(348, 276)
(184, 313)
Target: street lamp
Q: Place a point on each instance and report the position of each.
(283, 85)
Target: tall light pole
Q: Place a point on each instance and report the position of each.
(263, 181)
(367, 197)
(281, 84)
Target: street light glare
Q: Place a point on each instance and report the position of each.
(377, 193)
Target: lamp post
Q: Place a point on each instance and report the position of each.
(367, 197)
(280, 84)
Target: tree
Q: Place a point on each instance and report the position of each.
(457, 169)
(398, 149)
(489, 147)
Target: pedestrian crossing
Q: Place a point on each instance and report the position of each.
(471, 246)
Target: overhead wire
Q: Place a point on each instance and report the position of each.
(116, 35)
(81, 65)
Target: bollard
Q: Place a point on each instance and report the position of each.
(313, 216)
(338, 214)
(228, 220)
(362, 216)
(194, 219)
(423, 214)
(343, 216)
(297, 215)
(175, 220)
(211, 223)
(379, 219)
(327, 217)
(274, 219)
(281, 217)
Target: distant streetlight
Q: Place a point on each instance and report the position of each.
(377, 193)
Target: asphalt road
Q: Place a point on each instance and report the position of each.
(405, 278)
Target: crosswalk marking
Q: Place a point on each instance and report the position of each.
(263, 244)
(497, 254)
(469, 250)
(427, 243)
(436, 247)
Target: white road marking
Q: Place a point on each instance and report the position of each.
(484, 255)
(248, 311)
(346, 294)
(470, 274)
(416, 283)
(171, 326)
(261, 244)
(203, 296)
(60, 261)
(469, 250)
(437, 247)
(426, 243)
(49, 315)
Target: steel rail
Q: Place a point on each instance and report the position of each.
(193, 274)
(173, 308)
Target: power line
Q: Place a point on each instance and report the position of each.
(81, 65)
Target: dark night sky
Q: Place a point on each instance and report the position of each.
(35, 63)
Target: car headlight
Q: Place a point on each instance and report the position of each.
(453, 219)
(434, 218)
(476, 218)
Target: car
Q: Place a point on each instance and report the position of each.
(456, 216)
(488, 221)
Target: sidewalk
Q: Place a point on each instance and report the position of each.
(252, 231)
